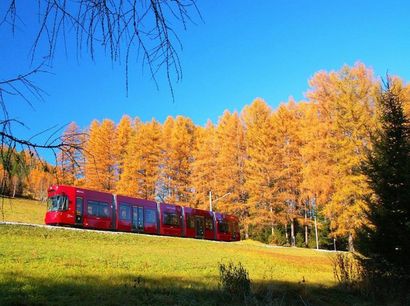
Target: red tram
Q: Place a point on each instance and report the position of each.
(72, 206)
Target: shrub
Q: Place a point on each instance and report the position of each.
(384, 282)
(300, 240)
(278, 237)
(347, 270)
(234, 280)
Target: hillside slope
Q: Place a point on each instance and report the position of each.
(52, 266)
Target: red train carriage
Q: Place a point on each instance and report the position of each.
(136, 215)
(79, 207)
(72, 206)
(227, 227)
(170, 220)
(199, 223)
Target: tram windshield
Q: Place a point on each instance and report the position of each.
(57, 203)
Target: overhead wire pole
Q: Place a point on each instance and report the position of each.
(210, 199)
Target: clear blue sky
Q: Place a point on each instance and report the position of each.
(242, 50)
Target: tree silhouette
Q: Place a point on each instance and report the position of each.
(387, 167)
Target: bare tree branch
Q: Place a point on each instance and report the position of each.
(140, 31)
(138, 26)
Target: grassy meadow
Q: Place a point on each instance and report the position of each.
(43, 266)
(22, 210)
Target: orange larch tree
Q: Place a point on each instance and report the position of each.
(345, 101)
(100, 159)
(176, 163)
(204, 165)
(123, 135)
(289, 166)
(260, 169)
(230, 162)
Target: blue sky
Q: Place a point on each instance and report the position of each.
(241, 50)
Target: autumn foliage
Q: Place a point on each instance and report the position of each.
(276, 169)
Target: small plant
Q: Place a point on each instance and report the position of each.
(234, 280)
(347, 270)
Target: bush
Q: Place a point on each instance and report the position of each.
(347, 270)
(278, 237)
(260, 233)
(234, 280)
(384, 282)
(300, 240)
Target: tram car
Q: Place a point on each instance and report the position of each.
(89, 209)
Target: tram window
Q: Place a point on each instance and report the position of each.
(209, 224)
(190, 222)
(170, 219)
(79, 206)
(223, 227)
(98, 209)
(57, 203)
(150, 216)
(125, 212)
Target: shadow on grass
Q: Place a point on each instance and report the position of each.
(127, 289)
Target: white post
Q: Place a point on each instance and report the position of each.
(210, 200)
(317, 238)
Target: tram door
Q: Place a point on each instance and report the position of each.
(137, 219)
(199, 227)
(79, 211)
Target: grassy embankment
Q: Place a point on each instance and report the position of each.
(57, 266)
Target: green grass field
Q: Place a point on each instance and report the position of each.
(42, 266)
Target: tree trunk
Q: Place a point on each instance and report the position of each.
(271, 224)
(286, 233)
(316, 235)
(14, 189)
(351, 245)
(247, 231)
(292, 232)
(306, 230)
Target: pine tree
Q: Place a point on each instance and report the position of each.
(388, 170)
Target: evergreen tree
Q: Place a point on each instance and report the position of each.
(388, 171)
